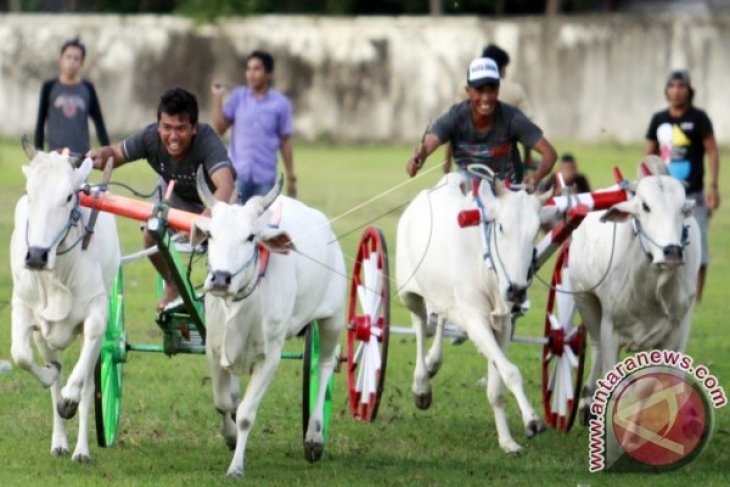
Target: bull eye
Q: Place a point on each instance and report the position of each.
(645, 207)
(250, 238)
(500, 228)
(68, 200)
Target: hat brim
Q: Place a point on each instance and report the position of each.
(481, 82)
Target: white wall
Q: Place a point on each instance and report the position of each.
(379, 78)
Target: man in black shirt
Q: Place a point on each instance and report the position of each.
(681, 135)
(175, 147)
(484, 130)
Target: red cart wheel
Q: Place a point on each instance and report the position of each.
(563, 355)
(368, 325)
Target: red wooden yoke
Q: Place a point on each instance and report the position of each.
(136, 209)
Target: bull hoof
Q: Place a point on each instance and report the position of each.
(511, 447)
(534, 427)
(423, 401)
(235, 474)
(59, 451)
(585, 416)
(67, 408)
(313, 451)
(230, 443)
(81, 459)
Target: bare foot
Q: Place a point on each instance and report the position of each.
(168, 296)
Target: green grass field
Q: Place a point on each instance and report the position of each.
(169, 428)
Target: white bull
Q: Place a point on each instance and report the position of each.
(249, 316)
(60, 291)
(636, 279)
(443, 265)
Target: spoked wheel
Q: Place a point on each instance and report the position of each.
(563, 355)
(310, 383)
(108, 375)
(368, 326)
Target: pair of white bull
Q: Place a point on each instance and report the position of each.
(246, 335)
(635, 290)
(61, 291)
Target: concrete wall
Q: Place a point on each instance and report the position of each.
(379, 78)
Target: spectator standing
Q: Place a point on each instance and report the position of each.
(681, 136)
(66, 103)
(262, 125)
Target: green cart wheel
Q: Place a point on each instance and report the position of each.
(310, 382)
(108, 374)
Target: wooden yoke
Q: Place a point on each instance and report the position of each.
(136, 209)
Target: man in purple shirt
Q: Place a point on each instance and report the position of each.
(262, 124)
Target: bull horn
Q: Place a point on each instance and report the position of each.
(269, 198)
(206, 196)
(499, 187)
(545, 196)
(28, 148)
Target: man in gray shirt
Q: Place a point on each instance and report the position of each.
(175, 147)
(66, 104)
(484, 130)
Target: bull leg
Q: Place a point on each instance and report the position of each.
(59, 441)
(590, 310)
(263, 373)
(224, 396)
(584, 406)
(434, 358)
(487, 344)
(609, 345)
(421, 382)
(81, 452)
(94, 327)
(495, 394)
(22, 352)
(329, 333)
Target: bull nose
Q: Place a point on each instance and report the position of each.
(36, 258)
(220, 279)
(516, 294)
(673, 253)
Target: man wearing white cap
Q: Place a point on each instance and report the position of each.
(481, 129)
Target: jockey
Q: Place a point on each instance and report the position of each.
(483, 130)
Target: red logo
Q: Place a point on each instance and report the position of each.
(660, 419)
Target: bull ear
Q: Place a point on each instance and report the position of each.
(82, 173)
(28, 148)
(620, 212)
(206, 196)
(199, 231)
(688, 208)
(276, 240)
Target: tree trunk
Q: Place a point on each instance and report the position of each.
(499, 7)
(552, 7)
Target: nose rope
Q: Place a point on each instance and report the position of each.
(242, 293)
(641, 234)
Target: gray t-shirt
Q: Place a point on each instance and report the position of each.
(64, 110)
(496, 147)
(206, 148)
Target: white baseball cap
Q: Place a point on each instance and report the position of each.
(481, 71)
